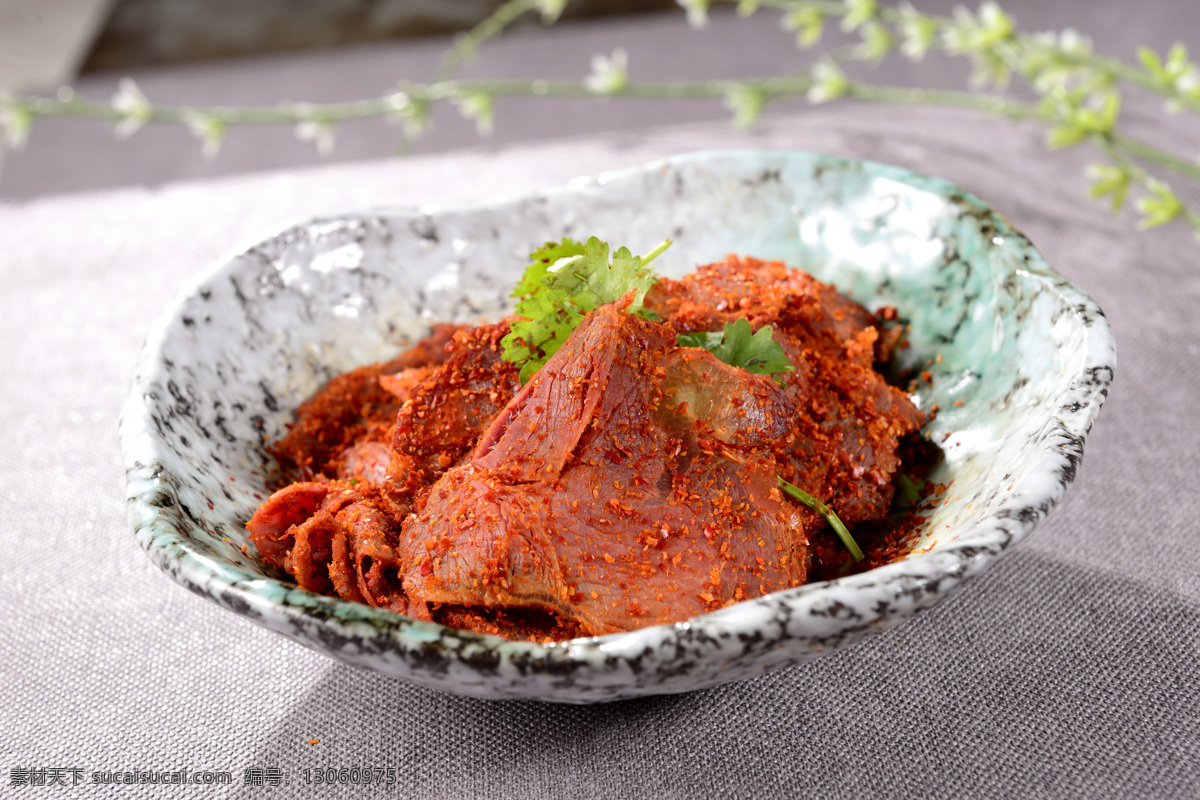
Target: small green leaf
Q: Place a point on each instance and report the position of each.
(995, 25)
(1098, 117)
(16, 120)
(917, 33)
(990, 70)
(908, 491)
(876, 44)
(1110, 107)
(410, 111)
(1050, 78)
(543, 258)
(807, 22)
(551, 10)
(209, 129)
(1152, 63)
(1073, 42)
(1177, 60)
(1176, 73)
(565, 282)
(746, 8)
(132, 106)
(1160, 207)
(746, 103)
(1062, 136)
(758, 353)
(705, 339)
(318, 130)
(970, 34)
(1108, 180)
(478, 106)
(859, 12)
(829, 82)
(610, 74)
(697, 12)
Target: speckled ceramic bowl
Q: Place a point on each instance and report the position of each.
(1030, 356)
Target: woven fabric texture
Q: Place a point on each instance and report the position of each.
(1071, 668)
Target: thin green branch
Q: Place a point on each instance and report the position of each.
(1117, 153)
(1138, 77)
(829, 8)
(987, 103)
(1015, 49)
(825, 511)
(773, 86)
(290, 113)
(467, 44)
(1141, 150)
(283, 113)
(1078, 91)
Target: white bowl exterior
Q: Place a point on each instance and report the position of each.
(1030, 356)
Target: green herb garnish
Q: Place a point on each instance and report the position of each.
(758, 353)
(566, 281)
(908, 491)
(826, 512)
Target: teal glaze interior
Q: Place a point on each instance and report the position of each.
(1028, 355)
(990, 322)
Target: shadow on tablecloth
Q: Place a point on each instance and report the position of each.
(988, 695)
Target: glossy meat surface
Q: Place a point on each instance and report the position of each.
(593, 497)
(630, 482)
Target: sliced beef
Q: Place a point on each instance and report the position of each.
(627, 513)
(272, 526)
(765, 293)
(366, 460)
(334, 538)
(455, 403)
(727, 403)
(631, 482)
(337, 534)
(351, 408)
(849, 420)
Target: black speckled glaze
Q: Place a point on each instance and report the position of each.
(1029, 355)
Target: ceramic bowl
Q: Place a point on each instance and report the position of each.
(1029, 356)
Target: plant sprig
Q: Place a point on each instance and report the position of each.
(1078, 92)
(566, 282)
(825, 511)
(757, 352)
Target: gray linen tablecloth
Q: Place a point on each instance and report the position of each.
(1071, 668)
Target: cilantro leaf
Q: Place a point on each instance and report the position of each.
(590, 280)
(568, 280)
(908, 491)
(709, 340)
(565, 282)
(543, 258)
(758, 353)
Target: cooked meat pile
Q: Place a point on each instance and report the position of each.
(630, 482)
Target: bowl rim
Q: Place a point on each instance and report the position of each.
(160, 527)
